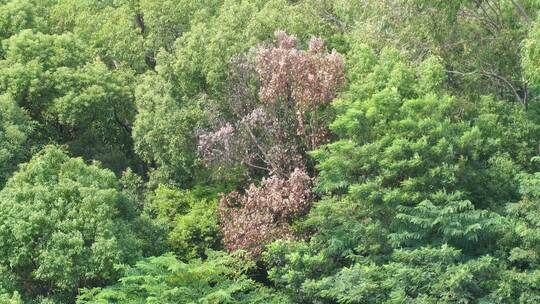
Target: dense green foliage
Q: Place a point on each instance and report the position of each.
(416, 179)
(269, 151)
(65, 224)
(15, 141)
(221, 278)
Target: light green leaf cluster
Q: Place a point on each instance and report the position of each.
(191, 220)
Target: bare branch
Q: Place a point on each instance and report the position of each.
(521, 11)
(507, 83)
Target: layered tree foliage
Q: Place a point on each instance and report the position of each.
(478, 41)
(75, 100)
(221, 278)
(269, 151)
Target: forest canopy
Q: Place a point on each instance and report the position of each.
(269, 151)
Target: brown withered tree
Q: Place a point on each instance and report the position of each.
(274, 127)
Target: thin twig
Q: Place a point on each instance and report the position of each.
(521, 11)
(491, 74)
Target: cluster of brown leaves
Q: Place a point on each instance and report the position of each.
(274, 135)
(310, 78)
(258, 136)
(258, 140)
(263, 213)
(304, 80)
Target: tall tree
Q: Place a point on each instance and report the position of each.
(273, 134)
(64, 226)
